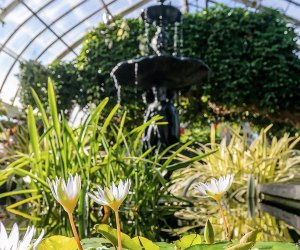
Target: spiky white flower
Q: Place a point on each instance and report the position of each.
(216, 188)
(67, 194)
(13, 242)
(113, 196)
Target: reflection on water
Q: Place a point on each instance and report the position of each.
(240, 218)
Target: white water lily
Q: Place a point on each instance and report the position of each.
(113, 196)
(215, 188)
(67, 194)
(13, 242)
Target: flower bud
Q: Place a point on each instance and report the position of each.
(209, 235)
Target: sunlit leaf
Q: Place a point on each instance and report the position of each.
(58, 242)
(188, 241)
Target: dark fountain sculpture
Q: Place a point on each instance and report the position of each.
(161, 76)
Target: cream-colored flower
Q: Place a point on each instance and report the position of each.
(113, 196)
(13, 242)
(215, 188)
(67, 194)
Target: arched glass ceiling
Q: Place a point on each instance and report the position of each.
(45, 30)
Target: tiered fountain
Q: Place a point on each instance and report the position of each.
(161, 75)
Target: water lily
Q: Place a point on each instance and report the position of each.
(113, 197)
(67, 194)
(216, 188)
(13, 242)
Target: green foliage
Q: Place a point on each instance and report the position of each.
(111, 234)
(33, 75)
(58, 242)
(68, 88)
(100, 150)
(266, 160)
(252, 57)
(187, 241)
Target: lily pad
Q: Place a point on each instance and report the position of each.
(275, 246)
(111, 234)
(188, 241)
(58, 242)
(145, 243)
(215, 246)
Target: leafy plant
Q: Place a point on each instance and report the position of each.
(261, 160)
(267, 160)
(100, 150)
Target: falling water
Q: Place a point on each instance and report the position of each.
(181, 37)
(175, 47)
(135, 88)
(161, 34)
(118, 87)
(147, 38)
(136, 74)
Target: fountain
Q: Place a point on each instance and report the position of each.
(161, 75)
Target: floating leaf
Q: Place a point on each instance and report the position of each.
(58, 242)
(111, 234)
(276, 246)
(165, 246)
(215, 246)
(94, 243)
(188, 240)
(145, 243)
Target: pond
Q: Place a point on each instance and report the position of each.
(276, 222)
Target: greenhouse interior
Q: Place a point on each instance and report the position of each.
(149, 124)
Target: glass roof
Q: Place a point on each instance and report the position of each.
(45, 30)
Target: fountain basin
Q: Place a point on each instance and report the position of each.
(167, 71)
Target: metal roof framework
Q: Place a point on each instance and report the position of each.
(46, 30)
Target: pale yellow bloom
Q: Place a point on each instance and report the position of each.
(215, 188)
(67, 194)
(113, 196)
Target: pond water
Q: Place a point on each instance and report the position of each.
(274, 221)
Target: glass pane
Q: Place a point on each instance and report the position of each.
(56, 9)
(79, 31)
(75, 16)
(280, 5)
(5, 61)
(294, 12)
(39, 44)
(25, 35)
(11, 85)
(52, 52)
(36, 4)
(12, 20)
(4, 3)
